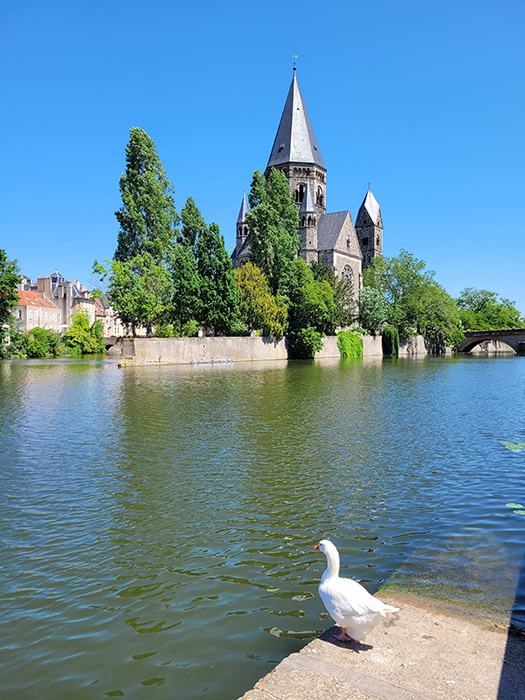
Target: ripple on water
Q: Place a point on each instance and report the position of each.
(145, 515)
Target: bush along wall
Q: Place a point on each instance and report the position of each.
(350, 344)
(390, 341)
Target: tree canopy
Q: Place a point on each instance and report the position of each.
(259, 308)
(481, 310)
(147, 216)
(414, 301)
(274, 224)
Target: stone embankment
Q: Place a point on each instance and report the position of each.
(424, 653)
(147, 351)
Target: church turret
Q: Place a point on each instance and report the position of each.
(308, 227)
(242, 251)
(295, 151)
(369, 229)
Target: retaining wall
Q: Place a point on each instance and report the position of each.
(146, 351)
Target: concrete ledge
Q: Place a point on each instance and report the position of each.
(424, 653)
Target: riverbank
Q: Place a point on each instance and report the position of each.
(425, 653)
(165, 351)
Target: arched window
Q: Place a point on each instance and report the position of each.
(347, 274)
(301, 192)
(309, 221)
(319, 196)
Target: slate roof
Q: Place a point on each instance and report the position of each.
(295, 141)
(308, 204)
(328, 229)
(32, 299)
(245, 209)
(371, 207)
(58, 280)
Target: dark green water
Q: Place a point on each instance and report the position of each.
(157, 524)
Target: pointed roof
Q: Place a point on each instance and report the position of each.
(308, 204)
(295, 141)
(371, 207)
(245, 209)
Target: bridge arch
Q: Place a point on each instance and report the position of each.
(515, 339)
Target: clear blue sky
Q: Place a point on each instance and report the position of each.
(423, 100)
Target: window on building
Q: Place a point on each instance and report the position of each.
(347, 273)
(365, 240)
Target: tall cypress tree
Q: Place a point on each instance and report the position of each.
(218, 292)
(147, 216)
(273, 222)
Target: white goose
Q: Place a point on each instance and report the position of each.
(350, 605)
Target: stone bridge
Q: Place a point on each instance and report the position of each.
(515, 338)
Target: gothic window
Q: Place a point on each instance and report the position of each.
(309, 221)
(347, 274)
(365, 240)
(300, 193)
(377, 240)
(348, 243)
(308, 172)
(319, 196)
(245, 231)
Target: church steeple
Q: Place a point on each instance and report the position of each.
(295, 151)
(369, 228)
(308, 227)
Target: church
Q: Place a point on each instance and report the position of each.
(330, 238)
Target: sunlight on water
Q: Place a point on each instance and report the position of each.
(157, 524)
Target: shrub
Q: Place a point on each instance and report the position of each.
(41, 343)
(390, 341)
(304, 343)
(350, 344)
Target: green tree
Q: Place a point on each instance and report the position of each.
(82, 337)
(273, 222)
(372, 310)
(41, 342)
(483, 310)
(193, 225)
(343, 293)
(415, 302)
(312, 312)
(9, 278)
(259, 308)
(138, 290)
(184, 286)
(147, 216)
(219, 299)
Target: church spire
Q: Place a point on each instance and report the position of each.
(295, 141)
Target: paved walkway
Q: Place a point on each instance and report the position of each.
(424, 653)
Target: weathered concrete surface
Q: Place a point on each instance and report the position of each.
(372, 346)
(424, 653)
(164, 351)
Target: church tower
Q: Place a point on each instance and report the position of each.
(295, 151)
(242, 248)
(308, 227)
(369, 229)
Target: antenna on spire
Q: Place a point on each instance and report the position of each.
(294, 57)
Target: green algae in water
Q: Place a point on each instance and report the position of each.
(513, 505)
(514, 446)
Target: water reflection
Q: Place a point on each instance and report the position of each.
(157, 523)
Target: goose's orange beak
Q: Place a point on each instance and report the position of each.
(316, 546)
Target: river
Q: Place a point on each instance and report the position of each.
(157, 523)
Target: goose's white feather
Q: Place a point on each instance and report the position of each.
(349, 604)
